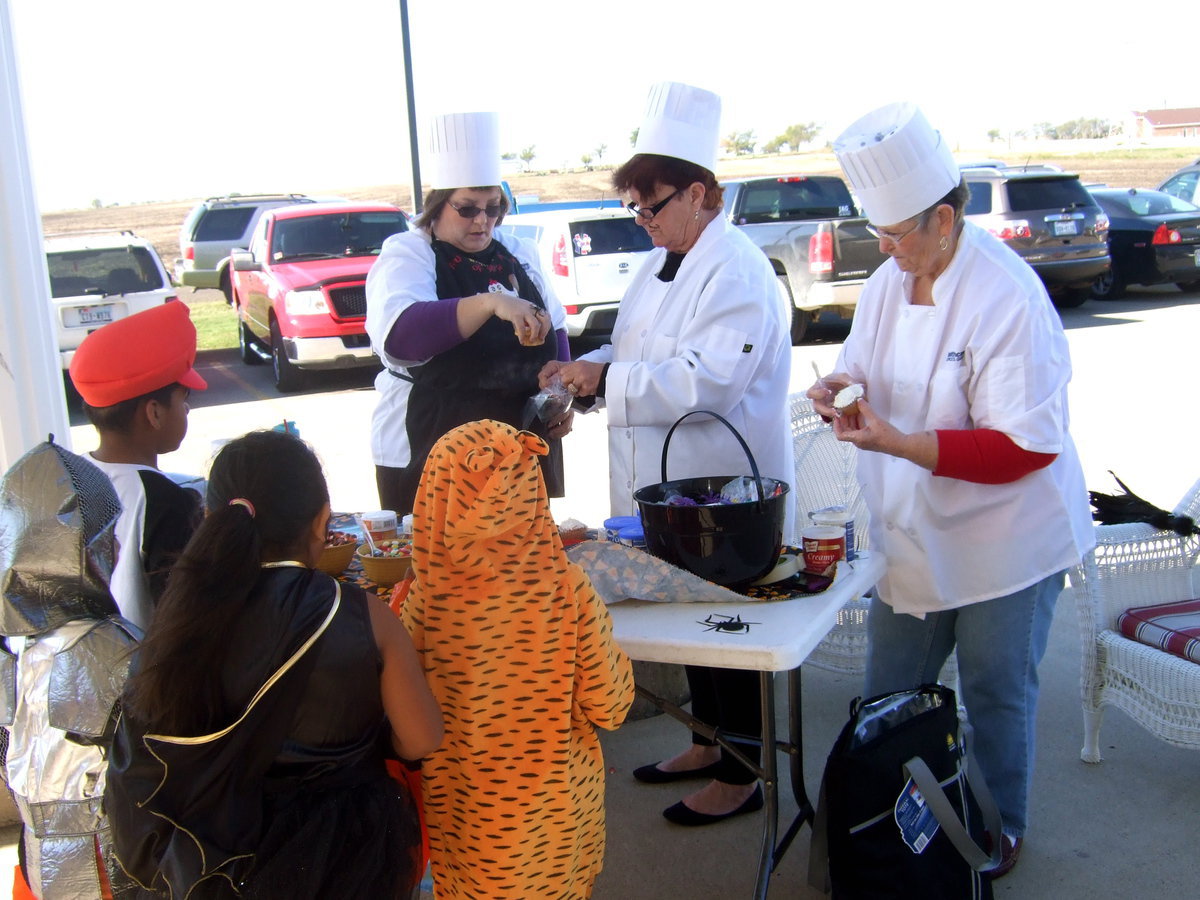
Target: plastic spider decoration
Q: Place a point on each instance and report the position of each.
(732, 624)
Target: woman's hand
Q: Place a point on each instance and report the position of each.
(581, 378)
(823, 391)
(867, 431)
(529, 321)
(549, 370)
(561, 426)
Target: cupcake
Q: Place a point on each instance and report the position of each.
(846, 401)
(572, 531)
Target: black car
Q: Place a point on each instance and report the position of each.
(1049, 219)
(1153, 238)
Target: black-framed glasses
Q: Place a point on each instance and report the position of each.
(889, 236)
(649, 212)
(492, 210)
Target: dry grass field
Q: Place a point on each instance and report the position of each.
(159, 222)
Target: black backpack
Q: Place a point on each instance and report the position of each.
(897, 815)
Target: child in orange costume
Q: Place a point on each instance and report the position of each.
(519, 652)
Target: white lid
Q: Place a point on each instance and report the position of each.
(464, 150)
(681, 121)
(896, 163)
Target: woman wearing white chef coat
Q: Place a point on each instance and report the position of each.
(701, 327)
(976, 494)
(462, 319)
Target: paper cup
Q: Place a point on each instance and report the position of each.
(823, 546)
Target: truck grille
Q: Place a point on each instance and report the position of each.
(349, 302)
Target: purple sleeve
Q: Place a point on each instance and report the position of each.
(424, 330)
(564, 345)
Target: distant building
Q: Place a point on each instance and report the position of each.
(1174, 123)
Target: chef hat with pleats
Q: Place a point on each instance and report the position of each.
(681, 121)
(464, 150)
(897, 164)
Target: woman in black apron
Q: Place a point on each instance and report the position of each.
(484, 338)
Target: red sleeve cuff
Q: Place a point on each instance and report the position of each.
(985, 456)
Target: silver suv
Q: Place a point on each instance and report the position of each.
(1049, 219)
(1184, 184)
(213, 228)
(97, 277)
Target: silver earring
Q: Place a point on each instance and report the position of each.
(944, 243)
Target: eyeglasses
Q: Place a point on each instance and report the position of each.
(649, 212)
(894, 238)
(470, 211)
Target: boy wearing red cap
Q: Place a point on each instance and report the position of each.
(135, 376)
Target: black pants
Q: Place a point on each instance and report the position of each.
(391, 492)
(728, 699)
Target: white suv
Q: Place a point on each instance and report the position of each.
(589, 256)
(99, 277)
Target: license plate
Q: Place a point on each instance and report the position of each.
(1069, 227)
(95, 315)
(1196, 256)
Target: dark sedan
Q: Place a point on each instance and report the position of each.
(1153, 238)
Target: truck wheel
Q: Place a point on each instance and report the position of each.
(799, 316)
(287, 377)
(227, 288)
(247, 347)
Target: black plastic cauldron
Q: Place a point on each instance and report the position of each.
(731, 544)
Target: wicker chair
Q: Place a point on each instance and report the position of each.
(825, 476)
(1136, 565)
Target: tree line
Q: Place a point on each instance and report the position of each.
(745, 143)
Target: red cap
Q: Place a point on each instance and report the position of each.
(136, 355)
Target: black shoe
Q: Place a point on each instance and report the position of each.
(652, 774)
(685, 815)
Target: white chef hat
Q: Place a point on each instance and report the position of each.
(464, 150)
(897, 164)
(681, 121)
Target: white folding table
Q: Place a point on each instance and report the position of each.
(777, 636)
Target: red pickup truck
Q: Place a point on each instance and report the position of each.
(300, 288)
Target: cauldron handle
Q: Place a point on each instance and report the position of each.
(740, 440)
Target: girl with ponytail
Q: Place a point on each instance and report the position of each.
(249, 760)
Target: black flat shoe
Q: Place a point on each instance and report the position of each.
(685, 815)
(652, 774)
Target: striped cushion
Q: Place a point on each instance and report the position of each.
(1173, 627)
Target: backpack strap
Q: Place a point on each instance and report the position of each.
(939, 805)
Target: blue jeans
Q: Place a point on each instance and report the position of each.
(1000, 643)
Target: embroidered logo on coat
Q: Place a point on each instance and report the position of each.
(955, 355)
(746, 348)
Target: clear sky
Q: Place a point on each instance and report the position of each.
(134, 100)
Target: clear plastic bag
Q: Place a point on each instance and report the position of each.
(549, 404)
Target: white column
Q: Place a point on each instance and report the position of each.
(32, 404)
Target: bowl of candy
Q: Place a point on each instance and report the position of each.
(389, 562)
(337, 553)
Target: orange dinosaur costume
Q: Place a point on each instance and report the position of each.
(519, 652)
